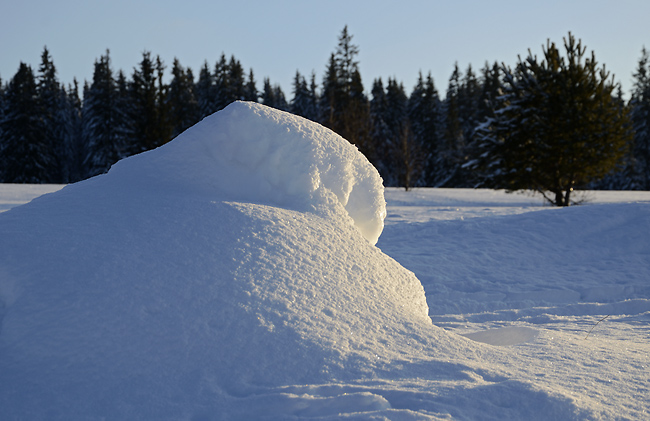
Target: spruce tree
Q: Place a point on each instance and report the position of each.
(406, 153)
(3, 108)
(344, 106)
(304, 102)
(205, 91)
(24, 152)
(558, 125)
(381, 135)
(181, 99)
(640, 114)
(74, 133)
(331, 95)
(236, 90)
(150, 113)
(101, 119)
(250, 89)
(51, 98)
(221, 91)
(424, 114)
(452, 142)
(272, 96)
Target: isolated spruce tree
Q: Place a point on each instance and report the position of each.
(558, 125)
(24, 151)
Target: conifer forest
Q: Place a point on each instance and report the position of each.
(552, 122)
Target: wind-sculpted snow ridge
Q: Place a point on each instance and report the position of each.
(252, 153)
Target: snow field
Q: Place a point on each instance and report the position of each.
(231, 275)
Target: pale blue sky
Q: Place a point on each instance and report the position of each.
(276, 38)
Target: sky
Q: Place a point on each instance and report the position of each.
(396, 39)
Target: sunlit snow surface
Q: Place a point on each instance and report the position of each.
(157, 292)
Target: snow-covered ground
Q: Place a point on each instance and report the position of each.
(170, 289)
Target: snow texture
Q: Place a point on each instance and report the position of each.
(252, 153)
(203, 282)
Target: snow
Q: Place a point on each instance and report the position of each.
(252, 153)
(231, 274)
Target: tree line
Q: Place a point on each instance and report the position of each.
(549, 125)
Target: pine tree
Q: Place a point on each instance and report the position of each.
(424, 114)
(221, 84)
(331, 95)
(484, 97)
(74, 134)
(101, 120)
(640, 114)
(182, 103)
(250, 89)
(52, 99)
(304, 101)
(24, 154)
(397, 156)
(125, 129)
(406, 154)
(558, 125)
(236, 89)
(381, 134)
(3, 108)
(205, 92)
(272, 96)
(344, 107)
(490, 90)
(452, 142)
(151, 125)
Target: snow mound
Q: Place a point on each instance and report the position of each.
(252, 153)
(162, 291)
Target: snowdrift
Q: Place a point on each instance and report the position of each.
(232, 275)
(238, 256)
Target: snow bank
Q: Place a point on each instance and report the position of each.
(252, 153)
(169, 288)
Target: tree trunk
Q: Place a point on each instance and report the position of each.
(567, 197)
(563, 198)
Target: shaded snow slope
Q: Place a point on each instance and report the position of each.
(170, 284)
(125, 303)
